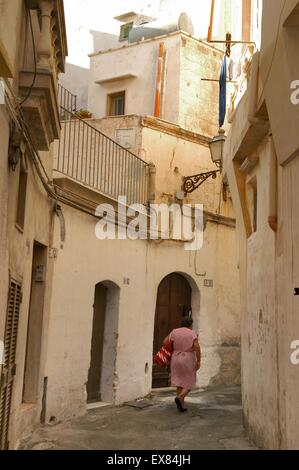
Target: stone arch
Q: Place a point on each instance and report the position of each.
(177, 292)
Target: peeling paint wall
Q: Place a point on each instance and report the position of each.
(199, 99)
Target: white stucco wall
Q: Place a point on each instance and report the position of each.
(76, 79)
(267, 258)
(187, 98)
(83, 261)
(140, 61)
(145, 265)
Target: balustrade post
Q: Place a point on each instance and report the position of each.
(152, 182)
(44, 47)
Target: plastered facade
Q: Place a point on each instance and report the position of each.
(83, 261)
(187, 61)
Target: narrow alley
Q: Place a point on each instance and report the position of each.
(149, 229)
(213, 422)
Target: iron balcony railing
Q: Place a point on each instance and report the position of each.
(87, 155)
(67, 102)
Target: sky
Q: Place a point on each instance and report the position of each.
(85, 15)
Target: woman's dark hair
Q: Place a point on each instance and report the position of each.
(186, 322)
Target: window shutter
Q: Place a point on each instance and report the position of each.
(9, 366)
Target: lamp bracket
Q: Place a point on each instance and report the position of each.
(191, 183)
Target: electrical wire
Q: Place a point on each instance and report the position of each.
(35, 64)
(53, 191)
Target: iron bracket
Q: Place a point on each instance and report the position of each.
(191, 183)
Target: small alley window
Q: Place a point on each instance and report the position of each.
(252, 201)
(125, 31)
(21, 203)
(116, 104)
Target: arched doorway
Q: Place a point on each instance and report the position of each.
(173, 302)
(105, 325)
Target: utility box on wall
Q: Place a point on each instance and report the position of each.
(40, 273)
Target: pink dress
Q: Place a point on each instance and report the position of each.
(183, 360)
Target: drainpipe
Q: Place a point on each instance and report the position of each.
(246, 20)
(163, 84)
(210, 31)
(157, 112)
(272, 218)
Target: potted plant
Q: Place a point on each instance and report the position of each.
(83, 114)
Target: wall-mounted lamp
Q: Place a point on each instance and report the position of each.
(216, 148)
(191, 183)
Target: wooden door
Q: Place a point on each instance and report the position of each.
(32, 379)
(173, 302)
(9, 366)
(97, 341)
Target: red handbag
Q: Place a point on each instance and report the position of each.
(163, 357)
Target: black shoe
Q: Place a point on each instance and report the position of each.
(179, 405)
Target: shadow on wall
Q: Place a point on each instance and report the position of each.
(76, 80)
(104, 41)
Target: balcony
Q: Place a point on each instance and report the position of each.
(86, 156)
(44, 59)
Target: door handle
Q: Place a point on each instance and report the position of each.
(296, 291)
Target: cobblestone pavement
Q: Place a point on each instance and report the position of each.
(213, 421)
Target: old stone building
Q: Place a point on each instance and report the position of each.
(261, 163)
(32, 53)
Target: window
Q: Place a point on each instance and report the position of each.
(125, 31)
(116, 104)
(9, 363)
(252, 200)
(21, 205)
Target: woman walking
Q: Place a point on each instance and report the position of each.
(185, 360)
